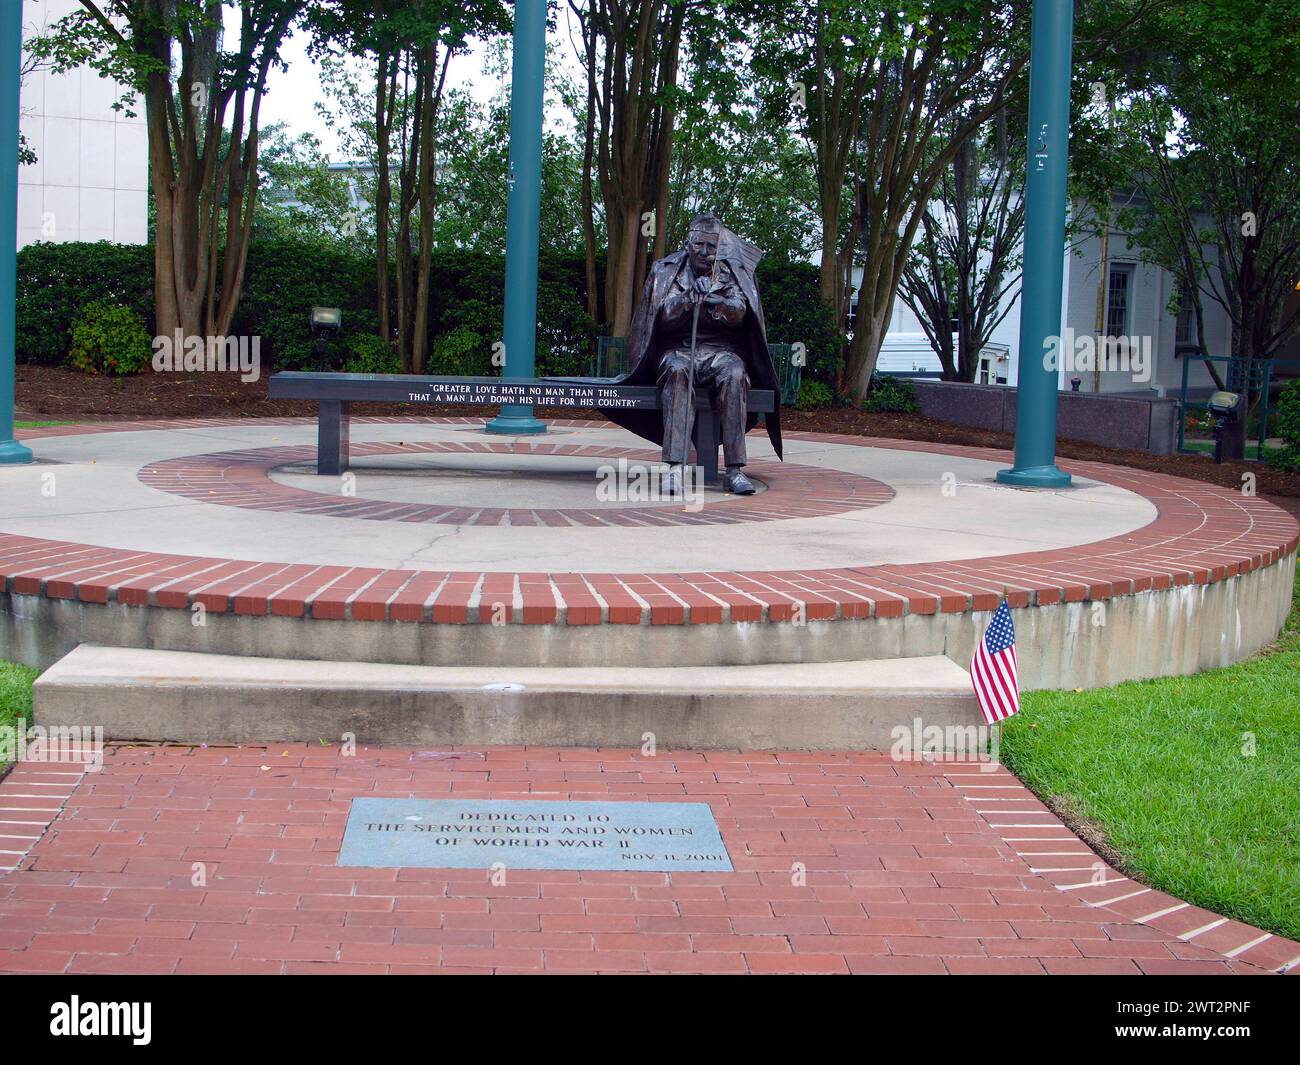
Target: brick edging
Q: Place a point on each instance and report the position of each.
(1055, 852)
(1202, 534)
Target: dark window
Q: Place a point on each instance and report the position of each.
(1185, 323)
(1118, 292)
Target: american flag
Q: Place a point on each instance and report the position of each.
(993, 671)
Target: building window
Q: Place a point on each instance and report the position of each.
(1118, 300)
(1185, 323)
(853, 313)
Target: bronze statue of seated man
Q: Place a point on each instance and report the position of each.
(700, 324)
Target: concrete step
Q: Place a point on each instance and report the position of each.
(208, 698)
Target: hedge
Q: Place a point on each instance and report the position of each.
(56, 281)
(1286, 424)
(285, 277)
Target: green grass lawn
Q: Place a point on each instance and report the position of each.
(1158, 773)
(1207, 447)
(15, 697)
(37, 425)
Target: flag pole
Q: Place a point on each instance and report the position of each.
(11, 34)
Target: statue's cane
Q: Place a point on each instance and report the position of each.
(689, 414)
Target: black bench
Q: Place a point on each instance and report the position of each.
(336, 392)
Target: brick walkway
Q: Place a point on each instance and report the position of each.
(910, 867)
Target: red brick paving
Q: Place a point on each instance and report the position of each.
(901, 873)
(1203, 533)
(242, 479)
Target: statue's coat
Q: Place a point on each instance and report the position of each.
(645, 344)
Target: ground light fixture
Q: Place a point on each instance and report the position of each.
(325, 323)
(1227, 410)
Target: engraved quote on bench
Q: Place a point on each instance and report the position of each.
(546, 394)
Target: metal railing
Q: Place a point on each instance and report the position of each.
(610, 359)
(1252, 376)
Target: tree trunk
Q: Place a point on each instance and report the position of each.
(198, 278)
(425, 185)
(385, 91)
(639, 41)
(620, 271)
(162, 177)
(588, 152)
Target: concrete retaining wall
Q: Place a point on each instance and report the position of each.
(1071, 645)
(1115, 421)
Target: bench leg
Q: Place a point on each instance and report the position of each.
(332, 431)
(706, 444)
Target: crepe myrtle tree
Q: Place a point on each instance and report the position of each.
(738, 157)
(815, 60)
(201, 68)
(964, 274)
(632, 51)
(1207, 134)
(407, 45)
(887, 92)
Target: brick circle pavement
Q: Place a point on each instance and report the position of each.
(242, 478)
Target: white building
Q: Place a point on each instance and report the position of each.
(1137, 301)
(90, 180)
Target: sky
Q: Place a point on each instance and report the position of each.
(292, 95)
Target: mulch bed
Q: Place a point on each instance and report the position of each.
(58, 394)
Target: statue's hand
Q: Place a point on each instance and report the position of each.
(701, 288)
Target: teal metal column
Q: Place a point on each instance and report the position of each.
(11, 52)
(523, 210)
(1044, 265)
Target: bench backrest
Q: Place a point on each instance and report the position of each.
(577, 392)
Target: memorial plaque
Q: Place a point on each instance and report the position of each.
(476, 834)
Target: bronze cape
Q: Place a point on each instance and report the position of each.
(645, 345)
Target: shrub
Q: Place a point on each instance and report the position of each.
(814, 395)
(461, 353)
(287, 275)
(794, 313)
(894, 394)
(57, 281)
(368, 353)
(1286, 424)
(109, 338)
(285, 278)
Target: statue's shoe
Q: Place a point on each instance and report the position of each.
(672, 482)
(740, 485)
